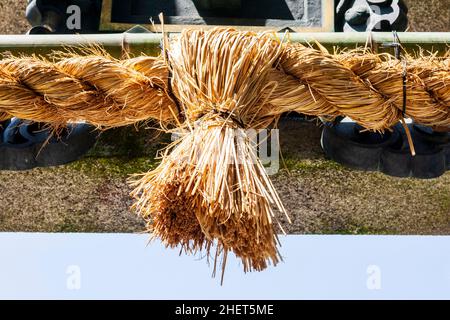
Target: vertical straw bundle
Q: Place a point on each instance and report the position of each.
(210, 188)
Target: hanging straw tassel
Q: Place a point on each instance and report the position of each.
(212, 188)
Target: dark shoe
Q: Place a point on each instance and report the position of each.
(26, 145)
(429, 161)
(345, 143)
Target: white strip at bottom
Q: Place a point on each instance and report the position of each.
(121, 266)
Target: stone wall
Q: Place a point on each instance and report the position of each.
(424, 15)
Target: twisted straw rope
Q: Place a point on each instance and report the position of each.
(108, 93)
(98, 89)
(210, 187)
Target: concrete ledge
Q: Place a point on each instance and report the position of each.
(118, 266)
